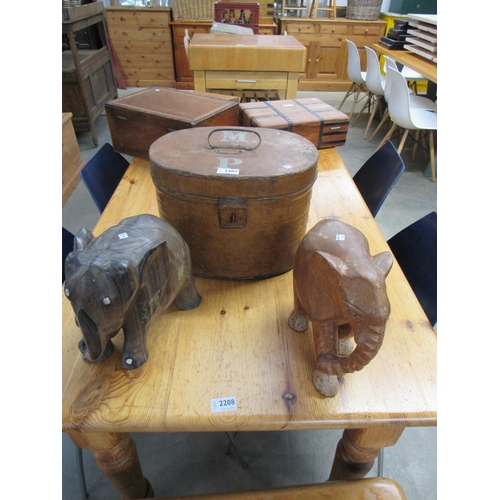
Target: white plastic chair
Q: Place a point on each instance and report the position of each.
(375, 83)
(355, 74)
(412, 77)
(409, 118)
(416, 101)
(187, 41)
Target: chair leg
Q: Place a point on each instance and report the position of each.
(382, 121)
(347, 94)
(403, 140)
(372, 116)
(354, 102)
(380, 463)
(232, 444)
(433, 157)
(417, 138)
(81, 473)
(387, 137)
(367, 102)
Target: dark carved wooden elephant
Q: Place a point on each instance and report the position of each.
(124, 278)
(340, 288)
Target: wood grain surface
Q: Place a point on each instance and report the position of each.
(423, 66)
(246, 53)
(374, 488)
(238, 343)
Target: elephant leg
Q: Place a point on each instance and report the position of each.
(188, 297)
(346, 340)
(298, 317)
(327, 350)
(135, 347)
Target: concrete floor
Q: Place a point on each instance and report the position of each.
(181, 464)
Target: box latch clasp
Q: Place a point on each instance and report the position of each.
(232, 212)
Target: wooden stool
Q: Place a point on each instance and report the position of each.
(332, 7)
(302, 7)
(376, 487)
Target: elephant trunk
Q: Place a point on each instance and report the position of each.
(369, 340)
(90, 335)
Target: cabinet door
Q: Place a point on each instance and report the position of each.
(325, 60)
(183, 75)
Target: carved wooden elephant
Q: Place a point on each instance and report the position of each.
(124, 278)
(340, 288)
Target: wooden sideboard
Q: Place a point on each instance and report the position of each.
(142, 41)
(184, 76)
(326, 63)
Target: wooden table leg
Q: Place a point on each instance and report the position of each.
(116, 456)
(358, 449)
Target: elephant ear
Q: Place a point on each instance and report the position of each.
(83, 239)
(73, 261)
(125, 277)
(325, 263)
(384, 262)
(152, 258)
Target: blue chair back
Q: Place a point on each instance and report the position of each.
(102, 174)
(415, 249)
(68, 239)
(379, 174)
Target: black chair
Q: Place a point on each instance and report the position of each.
(415, 249)
(379, 174)
(102, 174)
(68, 239)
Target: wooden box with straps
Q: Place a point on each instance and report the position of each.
(322, 124)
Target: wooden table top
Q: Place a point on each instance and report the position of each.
(246, 53)
(237, 343)
(423, 66)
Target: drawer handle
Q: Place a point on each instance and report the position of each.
(246, 81)
(334, 128)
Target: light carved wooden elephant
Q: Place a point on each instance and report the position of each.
(122, 279)
(340, 288)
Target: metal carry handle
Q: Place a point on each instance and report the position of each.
(237, 146)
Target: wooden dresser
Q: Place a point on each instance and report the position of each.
(142, 41)
(183, 75)
(326, 63)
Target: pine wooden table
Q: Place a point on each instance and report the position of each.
(237, 344)
(426, 68)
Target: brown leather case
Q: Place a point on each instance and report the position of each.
(322, 124)
(239, 196)
(137, 120)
